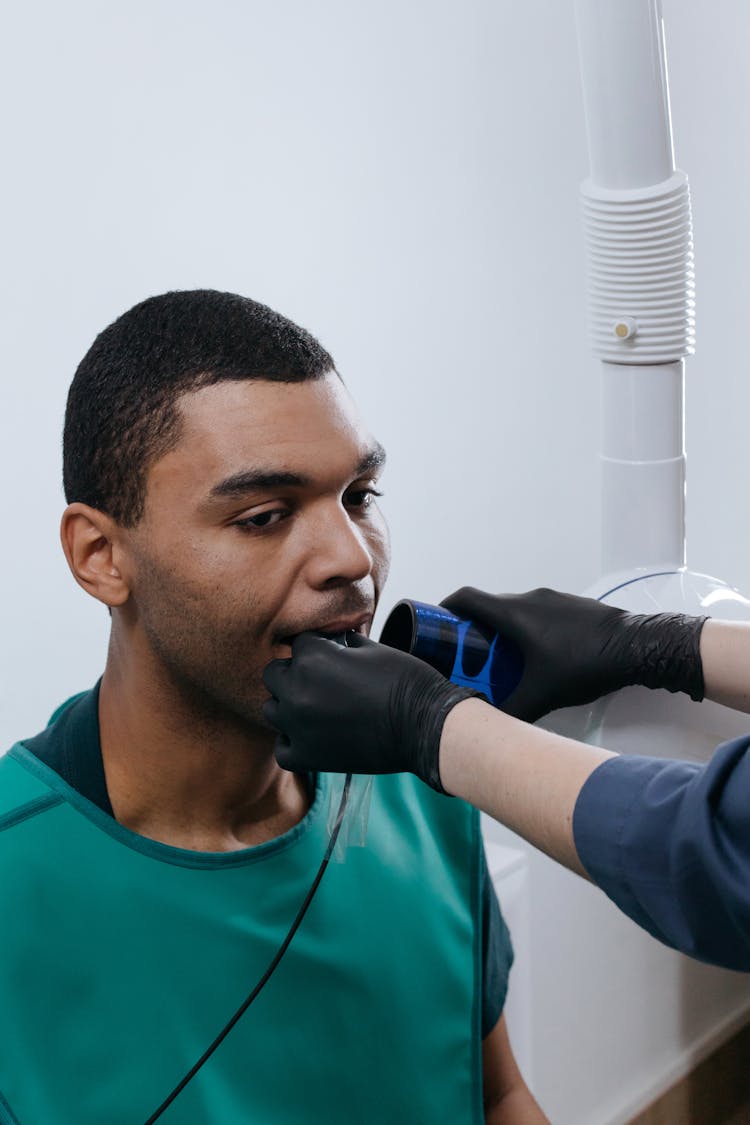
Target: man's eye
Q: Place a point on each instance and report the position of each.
(362, 498)
(261, 521)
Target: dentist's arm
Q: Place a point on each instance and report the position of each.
(725, 656)
(523, 776)
(668, 841)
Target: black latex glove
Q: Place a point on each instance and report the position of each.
(365, 708)
(577, 649)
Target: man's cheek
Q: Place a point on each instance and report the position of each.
(381, 553)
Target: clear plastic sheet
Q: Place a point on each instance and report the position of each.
(353, 831)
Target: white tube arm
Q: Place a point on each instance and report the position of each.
(638, 232)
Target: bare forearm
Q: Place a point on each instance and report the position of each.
(518, 1108)
(507, 1098)
(725, 655)
(524, 777)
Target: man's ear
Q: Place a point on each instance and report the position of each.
(91, 542)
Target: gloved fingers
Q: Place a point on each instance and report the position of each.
(312, 644)
(496, 611)
(467, 598)
(519, 617)
(272, 713)
(284, 755)
(310, 647)
(356, 640)
(273, 675)
(525, 705)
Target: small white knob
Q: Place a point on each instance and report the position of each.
(625, 327)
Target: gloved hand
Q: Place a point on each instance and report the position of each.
(365, 708)
(577, 649)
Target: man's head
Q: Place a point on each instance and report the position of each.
(122, 412)
(219, 484)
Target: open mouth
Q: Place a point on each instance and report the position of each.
(334, 630)
(339, 637)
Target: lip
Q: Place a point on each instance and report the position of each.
(339, 625)
(344, 624)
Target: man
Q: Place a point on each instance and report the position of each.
(221, 500)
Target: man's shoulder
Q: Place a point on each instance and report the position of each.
(23, 790)
(27, 784)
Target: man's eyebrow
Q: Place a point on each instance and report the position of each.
(375, 459)
(256, 480)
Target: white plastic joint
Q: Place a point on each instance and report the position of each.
(641, 284)
(625, 328)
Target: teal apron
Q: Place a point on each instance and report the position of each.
(121, 959)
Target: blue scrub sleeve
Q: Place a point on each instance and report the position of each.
(669, 843)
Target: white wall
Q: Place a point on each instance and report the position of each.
(401, 178)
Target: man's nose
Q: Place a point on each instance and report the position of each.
(339, 552)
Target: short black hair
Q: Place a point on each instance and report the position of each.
(121, 412)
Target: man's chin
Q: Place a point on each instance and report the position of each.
(248, 715)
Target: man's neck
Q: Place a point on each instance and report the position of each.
(183, 779)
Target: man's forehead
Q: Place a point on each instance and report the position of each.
(233, 432)
(268, 408)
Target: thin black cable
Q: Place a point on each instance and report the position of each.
(279, 954)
